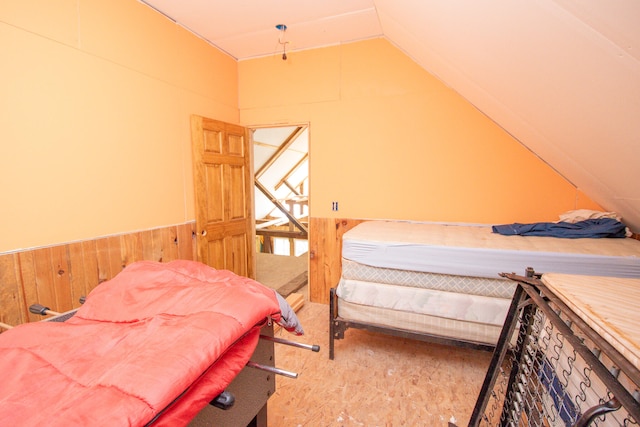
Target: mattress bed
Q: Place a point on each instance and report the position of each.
(442, 282)
(475, 251)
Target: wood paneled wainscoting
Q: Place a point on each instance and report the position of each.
(325, 254)
(57, 276)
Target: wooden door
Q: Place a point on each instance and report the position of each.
(223, 195)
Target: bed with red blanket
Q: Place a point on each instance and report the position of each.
(152, 346)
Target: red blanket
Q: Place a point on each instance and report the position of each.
(154, 344)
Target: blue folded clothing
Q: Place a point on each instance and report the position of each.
(590, 228)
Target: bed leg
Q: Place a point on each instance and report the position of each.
(336, 327)
(332, 299)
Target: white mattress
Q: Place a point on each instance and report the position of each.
(474, 250)
(449, 328)
(449, 305)
(490, 287)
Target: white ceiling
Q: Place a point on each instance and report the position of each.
(561, 76)
(247, 28)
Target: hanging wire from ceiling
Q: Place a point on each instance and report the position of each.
(282, 28)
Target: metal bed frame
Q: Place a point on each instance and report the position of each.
(550, 368)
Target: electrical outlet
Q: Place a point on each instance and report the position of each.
(334, 206)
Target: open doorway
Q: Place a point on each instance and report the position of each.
(281, 185)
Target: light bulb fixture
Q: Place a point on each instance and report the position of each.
(282, 28)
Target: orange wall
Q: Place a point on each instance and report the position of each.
(389, 140)
(94, 128)
(94, 118)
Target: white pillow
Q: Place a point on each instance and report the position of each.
(584, 214)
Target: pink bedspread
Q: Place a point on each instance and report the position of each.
(154, 344)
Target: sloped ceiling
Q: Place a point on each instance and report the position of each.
(561, 76)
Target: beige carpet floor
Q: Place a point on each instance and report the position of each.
(375, 380)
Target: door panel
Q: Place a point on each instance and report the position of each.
(238, 203)
(212, 141)
(236, 145)
(238, 254)
(214, 207)
(222, 179)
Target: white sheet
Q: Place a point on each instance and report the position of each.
(474, 250)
